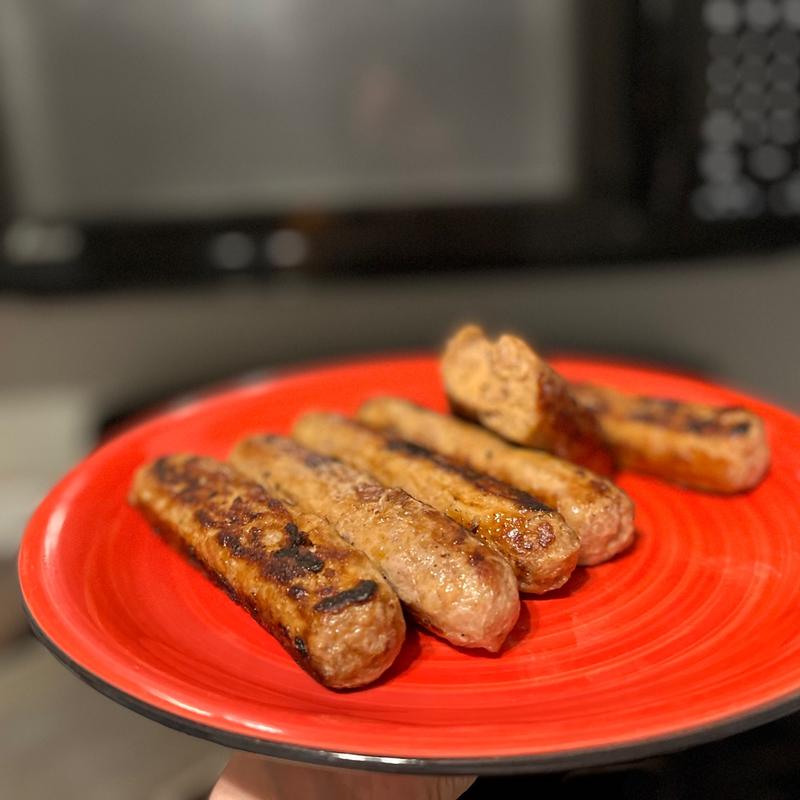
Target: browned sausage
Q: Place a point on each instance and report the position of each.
(506, 387)
(452, 583)
(599, 512)
(323, 601)
(704, 447)
(533, 538)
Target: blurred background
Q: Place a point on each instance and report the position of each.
(196, 192)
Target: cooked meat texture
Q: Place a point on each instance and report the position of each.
(599, 512)
(322, 599)
(451, 582)
(506, 387)
(532, 537)
(704, 447)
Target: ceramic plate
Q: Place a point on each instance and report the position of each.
(692, 635)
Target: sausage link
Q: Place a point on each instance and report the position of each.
(506, 387)
(326, 604)
(532, 537)
(450, 581)
(704, 447)
(597, 510)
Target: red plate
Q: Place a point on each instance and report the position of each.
(691, 636)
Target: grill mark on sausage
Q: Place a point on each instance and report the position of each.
(300, 646)
(483, 482)
(297, 538)
(670, 417)
(299, 561)
(195, 485)
(360, 593)
(238, 533)
(672, 414)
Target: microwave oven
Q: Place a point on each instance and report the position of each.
(166, 142)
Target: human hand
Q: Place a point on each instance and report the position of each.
(248, 777)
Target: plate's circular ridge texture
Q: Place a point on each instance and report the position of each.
(691, 635)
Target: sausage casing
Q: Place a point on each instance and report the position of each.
(452, 583)
(532, 537)
(597, 510)
(506, 387)
(704, 447)
(324, 601)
